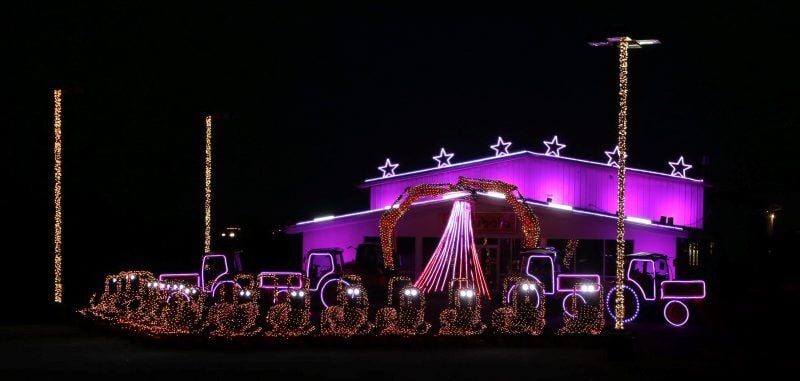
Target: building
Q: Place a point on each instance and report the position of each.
(573, 198)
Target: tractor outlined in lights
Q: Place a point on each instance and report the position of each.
(647, 280)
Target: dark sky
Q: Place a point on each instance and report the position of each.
(312, 99)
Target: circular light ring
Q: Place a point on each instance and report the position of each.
(322, 289)
(635, 299)
(564, 303)
(685, 308)
(216, 286)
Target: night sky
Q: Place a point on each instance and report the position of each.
(310, 100)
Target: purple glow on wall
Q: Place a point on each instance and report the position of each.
(455, 256)
(582, 184)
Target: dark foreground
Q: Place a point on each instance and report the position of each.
(646, 352)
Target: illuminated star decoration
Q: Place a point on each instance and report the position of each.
(679, 168)
(553, 147)
(613, 157)
(388, 168)
(498, 151)
(443, 160)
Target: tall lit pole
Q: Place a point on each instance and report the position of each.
(57, 285)
(207, 202)
(623, 43)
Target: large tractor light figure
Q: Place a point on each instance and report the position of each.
(349, 317)
(291, 314)
(235, 309)
(463, 315)
(583, 311)
(123, 297)
(523, 308)
(404, 314)
(648, 282)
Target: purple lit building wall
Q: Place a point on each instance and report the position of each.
(589, 188)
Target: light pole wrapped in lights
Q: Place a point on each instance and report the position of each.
(57, 285)
(623, 43)
(207, 198)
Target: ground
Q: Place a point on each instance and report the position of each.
(645, 352)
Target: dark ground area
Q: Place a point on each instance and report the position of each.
(646, 351)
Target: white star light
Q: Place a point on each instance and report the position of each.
(498, 151)
(679, 168)
(388, 168)
(553, 147)
(613, 157)
(443, 160)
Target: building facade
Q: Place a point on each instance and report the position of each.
(574, 199)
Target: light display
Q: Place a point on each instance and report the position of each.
(613, 157)
(404, 314)
(584, 310)
(554, 147)
(523, 211)
(443, 160)
(235, 311)
(632, 295)
(387, 170)
(622, 142)
(462, 317)
(501, 148)
(456, 255)
(569, 253)
(291, 316)
(676, 313)
(57, 285)
(523, 310)
(349, 317)
(207, 198)
(679, 168)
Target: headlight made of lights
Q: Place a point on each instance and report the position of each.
(349, 291)
(470, 293)
(294, 293)
(301, 293)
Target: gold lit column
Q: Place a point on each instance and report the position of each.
(622, 132)
(207, 205)
(57, 285)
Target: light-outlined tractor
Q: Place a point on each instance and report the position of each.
(647, 281)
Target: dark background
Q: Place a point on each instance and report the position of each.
(311, 99)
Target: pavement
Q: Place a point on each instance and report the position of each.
(645, 351)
